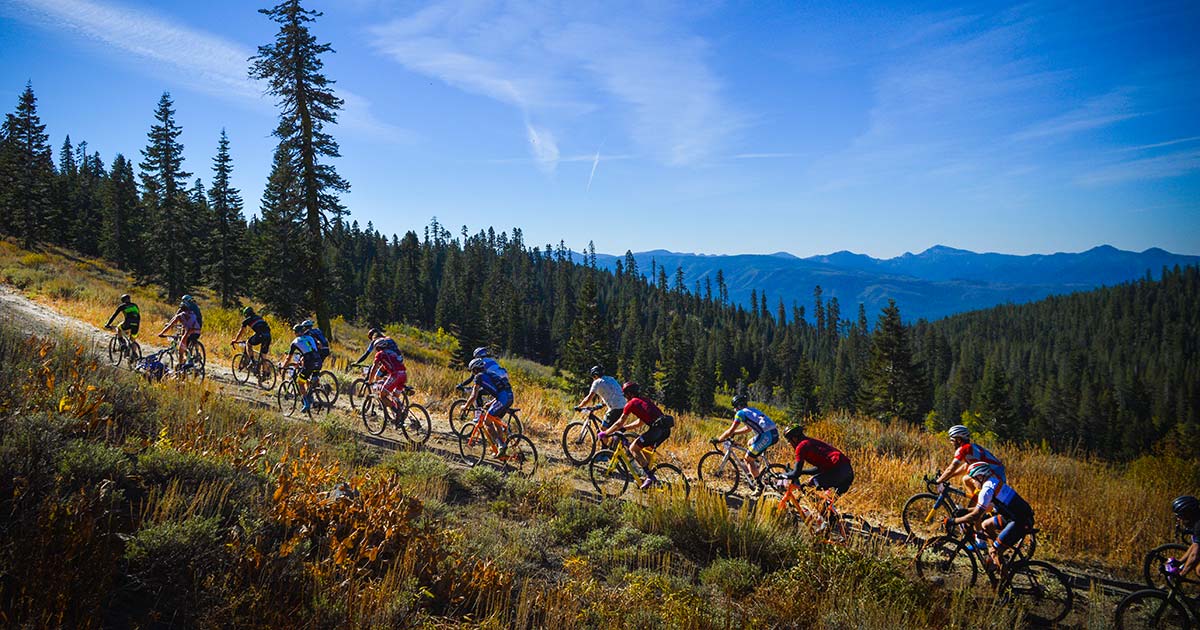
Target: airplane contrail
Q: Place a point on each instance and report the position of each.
(595, 163)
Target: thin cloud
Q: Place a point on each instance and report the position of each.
(592, 175)
(1158, 145)
(1175, 164)
(1096, 113)
(766, 156)
(200, 60)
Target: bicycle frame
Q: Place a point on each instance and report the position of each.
(625, 456)
(740, 462)
(480, 418)
(825, 513)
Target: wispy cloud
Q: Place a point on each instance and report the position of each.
(199, 60)
(766, 156)
(555, 64)
(1173, 164)
(1095, 113)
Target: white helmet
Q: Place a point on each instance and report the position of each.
(480, 352)
(959, 431)
(980, 470)
(476, 365)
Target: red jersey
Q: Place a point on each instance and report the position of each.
(818, 453)
(645, 410)
(391, 361)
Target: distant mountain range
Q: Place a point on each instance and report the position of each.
(937, 282)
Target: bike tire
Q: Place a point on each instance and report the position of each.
(359, 390)
(945, 561)
(288, 397)
(416, 425)
(920, 517)
(115, 353)
(717, 474)
(514, 423)
(608, 473)
(671, 479)
(471, 447)
(521, 456)
(1040, 589)
(579, 442)
(373, 415)
(459, 415)
(1151, 609)
(197, 353)
(320, 402)
(1152, 565)
(267, 375)
(242, 366)
(328, 382)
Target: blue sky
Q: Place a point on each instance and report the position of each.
(692, 126)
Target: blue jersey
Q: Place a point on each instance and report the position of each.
(318, 336)
(490, 384)
(755, 419)
(304, 345)
(490, 366)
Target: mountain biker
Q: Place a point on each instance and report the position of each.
(645, 412)
(748, 419)
(378, 341)
(389, 362)
(1014, 516)
(490, 365)
(1187, 512)
(260, 328)
(502, 398)
(306, 348)
(132, 319)
(190, 303)
(608, 390)
(965, 454)
(310, 329)
(185, 318)
(833, 469)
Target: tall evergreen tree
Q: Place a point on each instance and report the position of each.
(227, 270)
(892, 387)
(122, 225)
(278, 279)
(292, 67)
(26, 172)
(164, 186)
(589, 343)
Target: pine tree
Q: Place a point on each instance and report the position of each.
(892, 386)
(122, 226)
(677, 363)
(702, 382)
(374, 306)
(165, 196)
(26, 172)
(85, 204)
(227, 270)
(589, 342)
(279, 280)
(292, 67)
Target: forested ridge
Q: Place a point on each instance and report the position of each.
(1112, 372)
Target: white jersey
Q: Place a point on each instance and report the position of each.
(609, 391)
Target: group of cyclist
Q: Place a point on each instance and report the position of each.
(187, 317)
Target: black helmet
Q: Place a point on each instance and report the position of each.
(794, 434)
(373, 333)
(596, 372)
(298, 329)
(631, 389)
(740, 401)
(247, 312)
(1186, 506)
(125, 298)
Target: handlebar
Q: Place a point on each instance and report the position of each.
(588, 409)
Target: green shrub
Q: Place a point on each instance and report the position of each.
(85, 463)
(483, 481)
(576, 519)
(732, 577)
(169, 566)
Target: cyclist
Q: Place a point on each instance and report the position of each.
(306, 348)
(190, 303)
(748, 419)
(490, 365)
(1014, 516)
(261, 330)
(833, 469)
(310, 329)
(644, 412)
(608, 390)
(379, 341)
(965, 454)
(1187, 512)
(132, 319)
(389, 362)
(191, 331)
(502, 398)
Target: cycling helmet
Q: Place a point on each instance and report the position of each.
(125, 298)
(247, 312)
(187, 298)
(1185, 506)
(373, 333)
(596, 372)
(476, 365)
(794, 434)
(631, 389)
(480, 352)
(307, 324)
(298, 329)
(959, 431)
(740, 401)
(980, 470)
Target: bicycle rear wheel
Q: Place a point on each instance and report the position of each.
(373, 415)
(415, 424)
(922, 516)
(1039, 589)
(945, 561)
(608, 473)
(671, 479)
(578, 442)
(718, 474)
(520, 456)
(327, 382)
(1151, 609)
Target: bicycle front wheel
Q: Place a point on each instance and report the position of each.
(115, 351)
(1152, 566)
(358, 391)
(717, 473)
(922, 516)
(671, 479)
(197, 354)
(266, 375)
(373, 415)
(288, 397)
(416, 425)
(514, 423)
(520, 456)
(1041, 590)
(945, 561)
(472, 443)
(459, 415)
(609, 475)
(1151, 609)
(242, 367)
(327, 382)
(578, 442)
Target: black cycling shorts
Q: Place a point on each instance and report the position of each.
(658, 433)
(193, 338)
(131, 328)
(309, 363)
(839, 477)
(612, 416)
(263, 341)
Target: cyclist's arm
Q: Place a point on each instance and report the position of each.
(799, 469)
(951, 470)
(370, 347)
(374, 373)
(732, 431)
(464, 383)
(114, 315)
(1191, 559)
(169, 325)
(475, 391)
(971, 515)
(586, 399)
(238, 337)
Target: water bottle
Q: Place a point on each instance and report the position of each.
(1173, 566)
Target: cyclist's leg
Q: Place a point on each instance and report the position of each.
(652, 439)
(131, 331)
(756, 448)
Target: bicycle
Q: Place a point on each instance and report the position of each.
(327, 382)
(152, 366)
(812, 508)
(475, 444)
(1159, 608)
(1038, 587)
(124, 348)
(459, 410)
(379, 412)
(920, 513)
(360, 388)
(579, 437)
(612, 469)
(194, 362)
(1152, 566)
(721, 470)
(247, 364)
(289, 396)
